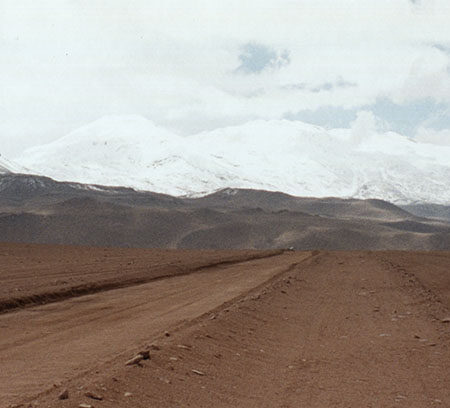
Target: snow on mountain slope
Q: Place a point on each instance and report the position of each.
(302, 159)
(127, 151)
(7, 166)
(280, 155)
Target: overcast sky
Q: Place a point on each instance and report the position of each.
(191, 65)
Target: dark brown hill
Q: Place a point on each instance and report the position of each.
(437, 211)
(276, 201)
(40, 210)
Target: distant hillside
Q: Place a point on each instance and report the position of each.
(275, 201)
(41, 210)
(429, 210)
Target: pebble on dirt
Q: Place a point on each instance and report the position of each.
(64, 395)
(135, 360)
(145, 354)
(93, 396)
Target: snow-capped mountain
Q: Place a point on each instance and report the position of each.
(280, 155)
(7, 166)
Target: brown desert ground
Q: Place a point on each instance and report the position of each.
(223, 328)
(39, 274)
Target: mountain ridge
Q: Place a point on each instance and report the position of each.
(276, 155)
(37, 209)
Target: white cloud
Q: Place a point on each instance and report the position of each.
(363, 127)
(64, 63)
(428, 77)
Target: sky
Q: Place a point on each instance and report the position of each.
(194, 65)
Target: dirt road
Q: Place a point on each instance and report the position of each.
(338, 329)
(45, 345)
(33, 274)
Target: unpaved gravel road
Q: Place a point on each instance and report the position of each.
(336, 329)
(45, 345)
(33, 274)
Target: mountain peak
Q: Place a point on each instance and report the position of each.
(129, 128)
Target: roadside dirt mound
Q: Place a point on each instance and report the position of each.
(33, 274)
